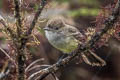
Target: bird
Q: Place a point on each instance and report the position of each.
(66, 38)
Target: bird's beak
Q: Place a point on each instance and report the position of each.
(46, 29)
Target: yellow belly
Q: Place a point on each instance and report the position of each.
(62, 42)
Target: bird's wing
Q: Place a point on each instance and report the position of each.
(72, 31)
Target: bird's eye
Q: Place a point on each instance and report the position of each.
(56, 28)
(49, 26)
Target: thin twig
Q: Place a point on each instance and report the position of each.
(36, 73)
(108, 24)
(8, 55)
(43, 3)
(37, 66)
(4, 23)
(34, 62)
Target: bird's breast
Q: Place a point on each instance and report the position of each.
(63, 43)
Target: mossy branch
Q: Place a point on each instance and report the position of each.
(29, 31)
(23, 38)
(18, 16)
(6, 27)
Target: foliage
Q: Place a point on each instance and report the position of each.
(1, 3)
(84, 12)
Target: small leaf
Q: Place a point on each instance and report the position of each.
(41, 30)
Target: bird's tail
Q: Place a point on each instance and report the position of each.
(92, 59)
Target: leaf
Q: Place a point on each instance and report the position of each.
(41, 30)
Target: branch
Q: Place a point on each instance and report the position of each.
(108, 24)
(37, 66)
(18, 16)
(43, 3)
(21, 58)
(8, 56)
(41, 7)
(8, 30)
(5, 70)
(29, 66)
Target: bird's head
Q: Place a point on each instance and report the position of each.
(54, 24)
